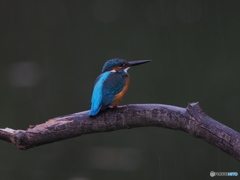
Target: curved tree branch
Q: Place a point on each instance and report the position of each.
(191, 120)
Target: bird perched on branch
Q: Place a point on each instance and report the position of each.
(111, 85)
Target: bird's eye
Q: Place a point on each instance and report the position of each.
(123, 65)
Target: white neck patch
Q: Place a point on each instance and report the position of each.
(125, 70)
(112, 70)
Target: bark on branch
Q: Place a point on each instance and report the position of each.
(191, 120)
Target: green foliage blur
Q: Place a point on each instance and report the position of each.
(51, 51)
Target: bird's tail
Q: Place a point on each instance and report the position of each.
(94, 112)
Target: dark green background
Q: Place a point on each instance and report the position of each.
(51, 51)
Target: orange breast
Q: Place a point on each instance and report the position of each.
(120, 95)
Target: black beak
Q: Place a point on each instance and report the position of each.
(135, 63)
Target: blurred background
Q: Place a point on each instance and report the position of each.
(51, 51)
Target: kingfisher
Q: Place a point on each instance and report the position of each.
(111, 85)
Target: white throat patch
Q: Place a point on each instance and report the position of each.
(125, 70)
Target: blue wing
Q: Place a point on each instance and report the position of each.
(106, 87)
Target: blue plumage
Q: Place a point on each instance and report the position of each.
(112, 84)
(107, 85)
(97, 95)
(113, 63)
